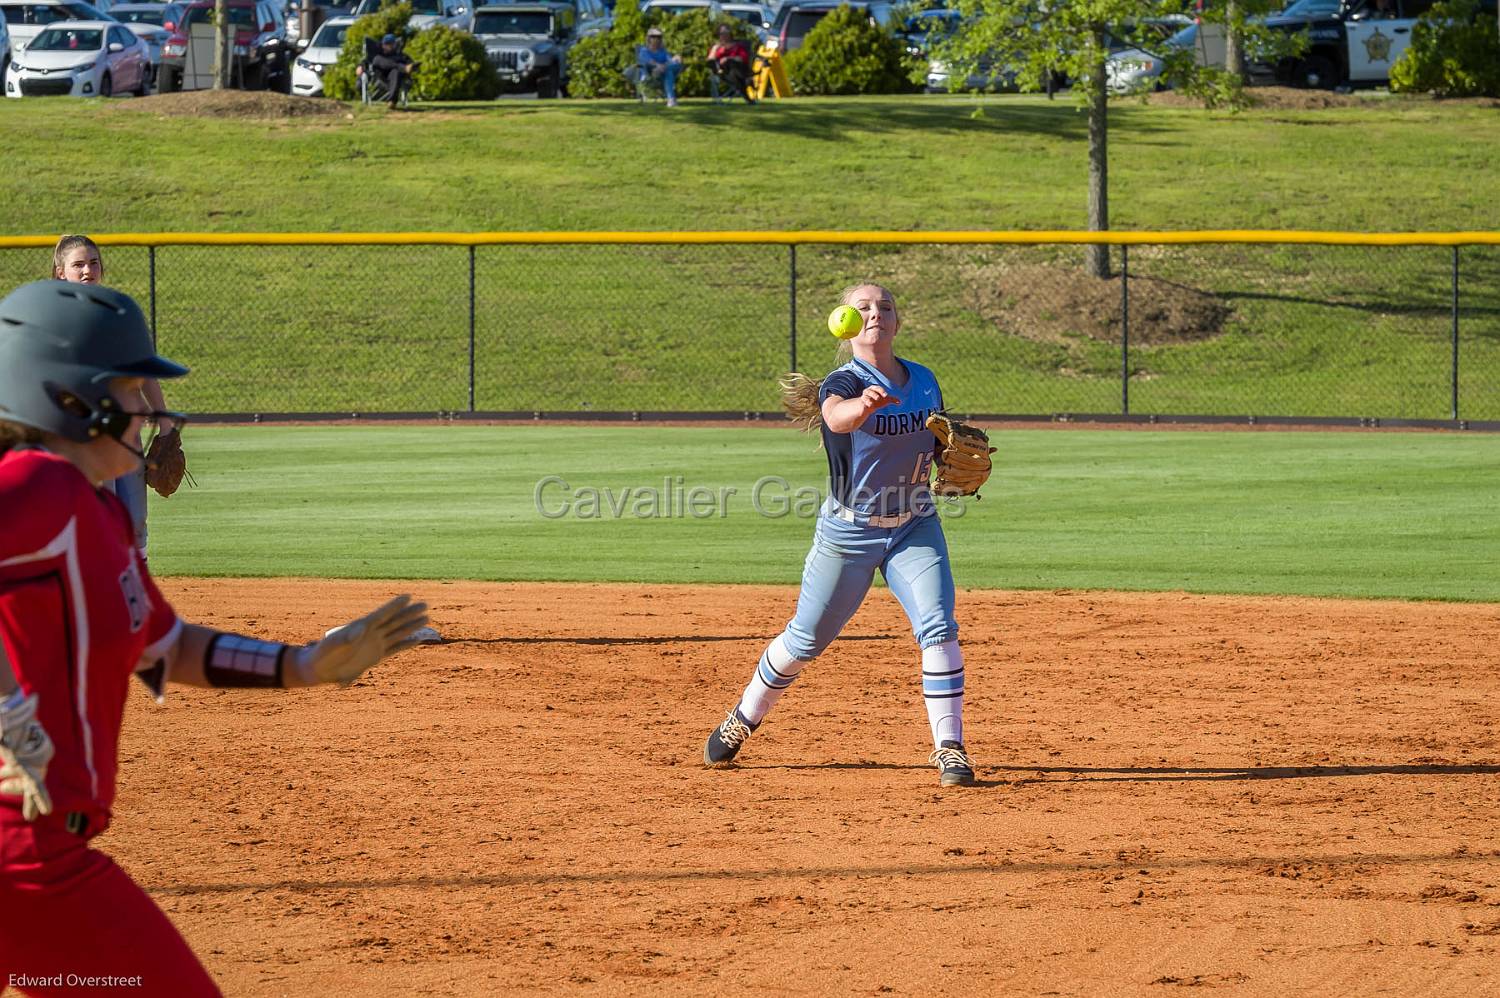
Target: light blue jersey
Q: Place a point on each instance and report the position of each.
(881, 468)
(879, 516)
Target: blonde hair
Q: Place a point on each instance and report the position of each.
(799, 393)
(68, 244)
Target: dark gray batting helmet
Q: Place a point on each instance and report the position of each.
(60, 344)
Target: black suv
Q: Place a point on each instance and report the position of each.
(262, 52)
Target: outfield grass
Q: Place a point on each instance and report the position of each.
(1337, 514)
(913, 162)
(1313, 331)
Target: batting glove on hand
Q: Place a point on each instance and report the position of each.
(25, 751)
(346, 652)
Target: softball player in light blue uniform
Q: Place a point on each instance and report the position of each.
(879, 514)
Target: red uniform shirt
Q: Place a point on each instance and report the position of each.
(77, 612)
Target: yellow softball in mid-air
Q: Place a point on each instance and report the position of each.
(845, 322)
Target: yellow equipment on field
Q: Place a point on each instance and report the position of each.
(770, 74)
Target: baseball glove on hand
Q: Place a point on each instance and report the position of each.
(961, 461)
(166, 464)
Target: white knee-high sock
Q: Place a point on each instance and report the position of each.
(776, 671)
(943, 689)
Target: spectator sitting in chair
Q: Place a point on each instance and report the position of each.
(392, 65)
(729, 62)
(653, 60)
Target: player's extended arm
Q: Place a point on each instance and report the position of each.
(25, 748)
(843, 415)
(202, 656)
(158, 403)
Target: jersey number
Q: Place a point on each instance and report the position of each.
(919, 471)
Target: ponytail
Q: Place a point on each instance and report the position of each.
(13, 435)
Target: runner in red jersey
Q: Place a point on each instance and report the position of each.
(79, 615)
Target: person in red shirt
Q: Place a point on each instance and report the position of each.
(79, 616)
(729, 62)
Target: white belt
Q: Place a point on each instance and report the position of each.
(860, 519)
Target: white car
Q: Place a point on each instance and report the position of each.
(4, 51)
(145, 19)
(1134, 70)
(81, 59)
(25, 18)
(425, 13)
(314, 59)
(757, 15)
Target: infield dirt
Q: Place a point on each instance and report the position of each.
(1262, 796)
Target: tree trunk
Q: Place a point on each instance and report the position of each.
(1098, 256)
(222, 57)
(1234, 39)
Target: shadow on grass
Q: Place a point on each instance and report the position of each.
(833, 122)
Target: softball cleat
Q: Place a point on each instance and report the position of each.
(725, 740)
(953, 764)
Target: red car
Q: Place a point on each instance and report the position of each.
(262, 53)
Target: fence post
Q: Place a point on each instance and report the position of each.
(471, 329)
(151, 269)
(1124, 329)
(1455, 333)
(792, 300)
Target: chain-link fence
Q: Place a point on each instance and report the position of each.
(1226, 329)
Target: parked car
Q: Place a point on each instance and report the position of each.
(261, 50)
(426, 13)
(25, 19)
(1350, 42)
(81, 59)
(528, 44)
(4, 52)
(158, 15)
(317, 54)
(589, 16)
(797, 17)
(757, 15)
(1136, 70)
(926, 28)
(147, 21)
(324, 11)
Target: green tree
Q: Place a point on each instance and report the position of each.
(1037, 40)
(1034, 40)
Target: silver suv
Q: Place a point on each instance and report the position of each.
(528, 43)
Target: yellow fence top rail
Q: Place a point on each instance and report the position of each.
(781, 238)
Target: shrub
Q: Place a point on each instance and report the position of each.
(1454, 52)
(341, 82)
(845, 54)
(597, 65)
(451, 66)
